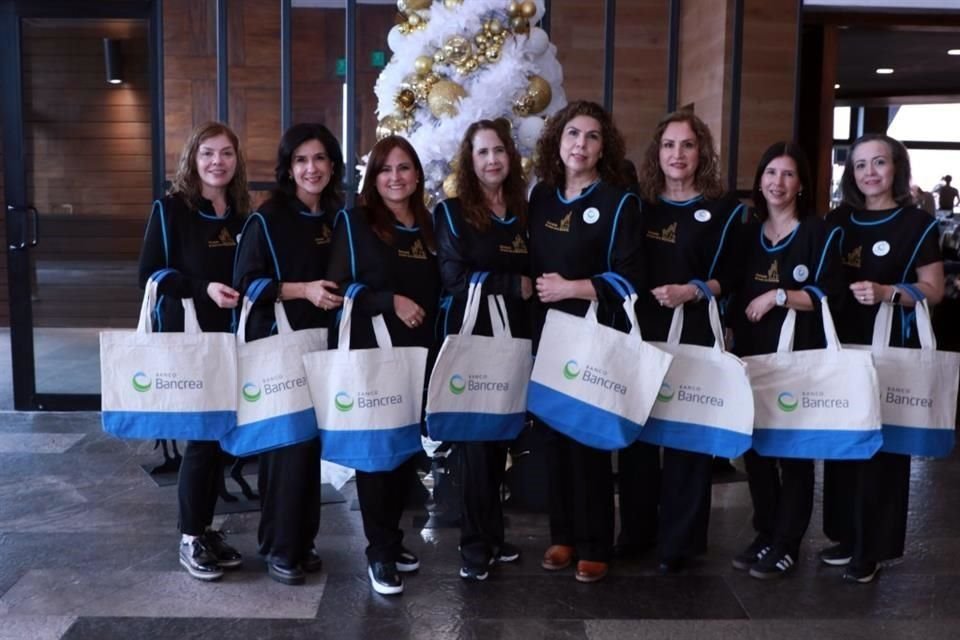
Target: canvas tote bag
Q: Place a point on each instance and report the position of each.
(705, 403)
(274, 408)
(478, 387)
(817, 403)
(592, 383)
(368, 401)
(176, 386)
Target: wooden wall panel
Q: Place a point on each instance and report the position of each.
(576, 27)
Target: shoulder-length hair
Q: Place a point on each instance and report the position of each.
(471, 194)
(186, 182)
(794, 152)
(550, 168)
(377, 214)
(851, 193)
(706, 179)
(331, 198)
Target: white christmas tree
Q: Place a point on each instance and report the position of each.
(458, 61)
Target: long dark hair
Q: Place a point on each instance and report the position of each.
(186, 181)
(549, 167)
(475, 209)
(852, 195)
(706, 179)
(331, 198)
(795, 153)
(378, 215)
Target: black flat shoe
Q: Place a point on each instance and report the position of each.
(312, 562)
(286, 575)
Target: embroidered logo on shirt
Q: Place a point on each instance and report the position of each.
(563, 225)
(224, 239)
(772, 274)
(517, 246)
(668, 234)
(324, 237)
(416, 252)
(852, 259)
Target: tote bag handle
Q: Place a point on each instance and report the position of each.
(379, 325)
(713, 312)
(144, 325)
(499, 321)
(623, 287)
(253, 293)
(788, 329)
(883, 323)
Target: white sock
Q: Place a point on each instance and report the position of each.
(185, 539)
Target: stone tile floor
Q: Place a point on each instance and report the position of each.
(88, 550)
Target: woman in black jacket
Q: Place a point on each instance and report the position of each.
(193, 230)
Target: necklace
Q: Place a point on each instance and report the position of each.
(776, 235)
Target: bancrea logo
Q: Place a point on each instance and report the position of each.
(251, 392)
(787, 402)
(141, 382)
(905, 397)
(571, 370)
(343, 401)
(457, 384)
(592, 375)
(666, 393)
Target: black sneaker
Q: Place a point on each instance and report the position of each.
(507, 553)
(312, 563)
(773, 564)
(839, 555)
(751, 555)
(227, 557)
(473, 574)
(861, 573)
(407, 561)
(199, 561)
(384, 578)
(286, 575)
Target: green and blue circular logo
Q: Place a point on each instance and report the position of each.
(141, 382)
(571, 370)
(457, 384)
(251, 392)
(343, 401)
(787, 402)
(666, 393)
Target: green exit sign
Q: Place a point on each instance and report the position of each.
(341, 67)
(378, 59)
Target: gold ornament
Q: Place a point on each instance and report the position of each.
(444, 97)
(526, 164)
(423, 64)
(471, 64)
(493, 54)
(539, 92)
(405, 29)
(431, 79)
(520, 25)
(457, 49)
(413, 20)
(528, 9)
(413, 5)
(439, 56)
(495, 27)
(481, 59)
(480, 39)
(406, 99)
(391, 125)
(421, 90)
(450, 4)
(450, 185)
(513, 9)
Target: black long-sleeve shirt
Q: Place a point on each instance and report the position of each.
(200, 247)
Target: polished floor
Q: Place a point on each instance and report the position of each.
(88, 550)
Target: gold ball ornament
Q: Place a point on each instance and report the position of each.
(513, 9)
(495, 27)
(390, 125)
(450, 4)
(493, 54)
(413, 20)
(520, 24)
(526, 164)
(458, 49)
(540, 93)
(439, 56)
(528, 9)
(450, 185)
(414, 5)
(406, 99)
(423, 64)
(444, 98)
(480, 39)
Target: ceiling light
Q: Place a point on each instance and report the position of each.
(836, 86)
(884, 71)
(953, 52)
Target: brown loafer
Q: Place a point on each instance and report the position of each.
(588, 571)
(557, 556)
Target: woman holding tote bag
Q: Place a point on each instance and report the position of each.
(485, 230)
(583, 223)
(194, 231)
(387, 244)
(886, 241)
(286, 246)
(783, 248)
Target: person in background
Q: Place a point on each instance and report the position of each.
(947, 197)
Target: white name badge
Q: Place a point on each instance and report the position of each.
(702, 215)
(881, 248)
(801, 273)
(591, 215)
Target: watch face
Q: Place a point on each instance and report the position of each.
(781, 297)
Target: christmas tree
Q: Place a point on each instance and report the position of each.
(458, 61)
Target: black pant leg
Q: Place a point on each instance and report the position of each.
(381, 495)
(796, 503)
(482, 466)
(289, 482)
(638, 482)
(840, 481)
(197, 485)
(881, 510)
(593, 505)
(560, 484)
(684, 504)
(763, 478)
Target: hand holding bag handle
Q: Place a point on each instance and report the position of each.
(253, 294)
(785, 344)
(380, 330)
(144, 325)
(623, 288)
(496, 306)
(713, 312)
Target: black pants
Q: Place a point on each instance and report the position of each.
(581, 497)
(382, 496)
(865, 505)
(201, 472)
(482, 466)
(782, 493)
(638, 476)
(684, 504)
(289, 483)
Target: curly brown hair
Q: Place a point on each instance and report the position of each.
(471, 194)
(186, 182)
(550, 168)
(706, 180)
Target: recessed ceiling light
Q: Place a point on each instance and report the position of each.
(953, 52)
(884, 71)
(836, 86)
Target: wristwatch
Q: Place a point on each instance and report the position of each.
(895, 296)
(781, 297)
